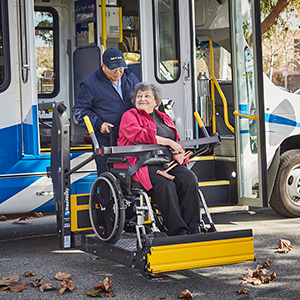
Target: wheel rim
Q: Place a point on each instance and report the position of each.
(293, 185)
(104, 210)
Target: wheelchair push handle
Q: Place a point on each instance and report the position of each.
(90, 129)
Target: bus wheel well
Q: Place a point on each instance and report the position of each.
(290, 143)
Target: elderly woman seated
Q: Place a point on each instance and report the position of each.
(176, 199)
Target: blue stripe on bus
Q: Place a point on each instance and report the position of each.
(30, 132)
(11, 186)
(46, 207)
(281, 120)
(11, 147)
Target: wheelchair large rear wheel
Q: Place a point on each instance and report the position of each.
(106, 208)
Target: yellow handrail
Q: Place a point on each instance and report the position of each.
(103, 23)
(236, 113)
(120, 25)
(213, 83)
(211, 56)
(225, 108)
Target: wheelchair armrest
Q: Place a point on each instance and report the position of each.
(117, 160)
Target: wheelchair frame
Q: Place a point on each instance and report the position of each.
(152, 253)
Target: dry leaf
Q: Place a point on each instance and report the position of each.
(66, 285)
(95, 257)
(28, 274)
(243, 291)
(265, 264)
(62, 276)
(185, 294)
(3, 218)
(284, 246)
(257, 277)
(38, 282)
(18, 288)
(47, 286)
(19, 219)
(99, 286)
(110, 295)
(93, 293)
(273, 276)
(10, 279)
(38, 215)
(158, 275)
(4, 288)
(107, 285)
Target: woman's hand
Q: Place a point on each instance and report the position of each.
(179, 157)
(178, 152)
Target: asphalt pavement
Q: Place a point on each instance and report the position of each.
(32, 245)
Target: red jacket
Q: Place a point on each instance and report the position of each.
(137, 127)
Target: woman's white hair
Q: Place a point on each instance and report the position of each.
(145, 86)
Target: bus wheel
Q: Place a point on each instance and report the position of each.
(285, 199)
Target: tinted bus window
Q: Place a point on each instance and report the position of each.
(46, 44)
(166, 40)
(4, 47)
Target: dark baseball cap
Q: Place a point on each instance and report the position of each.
(113, 59)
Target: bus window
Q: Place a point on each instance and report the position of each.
(222, 60)
(4, 47)
(166, 40)
(46, 44)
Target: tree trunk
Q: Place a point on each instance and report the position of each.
(272, 18)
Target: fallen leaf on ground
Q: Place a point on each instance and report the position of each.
(28, 274)
(38, 214)
(19, 219)
(62, 276)
(185, 294)
(4, 288)
(3, 218)
(105, 286)
(284, 246)
(9, 279)
(110, 295)
(95, 257)
(94, 293)
(257, 277)
(243, 291)
(265, 264)
(47, 286)
(66, 285)
(18, 288)
(38, 282)
(158, 275)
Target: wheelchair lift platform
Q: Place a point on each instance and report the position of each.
(150, 252)
(165, 254)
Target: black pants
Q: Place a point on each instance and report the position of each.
(177, 199)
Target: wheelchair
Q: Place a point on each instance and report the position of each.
(118, 204)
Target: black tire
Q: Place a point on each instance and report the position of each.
(285, 199)
(106, 208)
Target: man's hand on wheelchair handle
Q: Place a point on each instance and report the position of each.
(105, 127)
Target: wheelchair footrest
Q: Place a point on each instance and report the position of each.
(200, 250)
